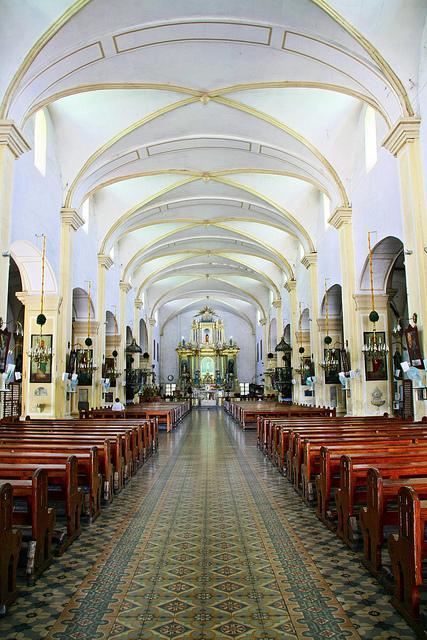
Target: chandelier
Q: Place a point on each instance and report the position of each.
(330, 360)
(40, 353)
(375, 344)
(305, 366)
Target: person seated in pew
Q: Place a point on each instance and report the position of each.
(117, 405)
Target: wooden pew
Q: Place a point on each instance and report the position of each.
(10, 546)
(60, 476)
(352, 492)
(329, 477)
(37, 523)
(407, 552)
(89, 477)
(109, 466)
(379, 511)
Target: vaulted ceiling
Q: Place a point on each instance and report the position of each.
(207, 133)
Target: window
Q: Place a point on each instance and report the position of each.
(85, 215)
(326, 208)
(371, 154)
(40, 141)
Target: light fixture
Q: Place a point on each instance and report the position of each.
(330, 360)
(40, 353)
(375, 344)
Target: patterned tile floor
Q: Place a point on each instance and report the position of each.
(208, 541)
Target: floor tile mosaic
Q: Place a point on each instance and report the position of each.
(208, 541)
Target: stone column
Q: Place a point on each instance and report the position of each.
(291, 288)
(277, 304)
(70, 222)
(104, 263)
(341, 219)
(137, 306)
(310, 262)
(403, 142)
(125, 287)
(12, 146)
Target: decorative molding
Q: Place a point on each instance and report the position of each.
(105, 261)
(72, 217)
(125, 286)
(263, 322)
(309, 259)
(138, 303)
(405, 130)
(340, 216)
(152, 322)
(277, 303)
(363, 302)
(290, 285)
(13, 138)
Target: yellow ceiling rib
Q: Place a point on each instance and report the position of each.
(202, 299)
(233, 104)
(300, 84)
(373, 52)
(119, 136)
(34, 52)
(241, 233)
(158, 273)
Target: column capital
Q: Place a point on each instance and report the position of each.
(277, 303)
(138, 303)
(309, 259)
(340, 216)
(405, 130)
(290, 285)
(125, 286)
(263, 322)
(13, 138)
(152, 322)
(72, 217)
(105, 261)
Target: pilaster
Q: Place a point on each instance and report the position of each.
(310, 262)
(124, 288)
(71, 221)
(104, 263)
(12, 145)
(341, 219)
(403, 141)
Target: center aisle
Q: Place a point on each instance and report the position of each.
(211, 542)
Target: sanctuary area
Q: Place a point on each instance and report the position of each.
(213, 319)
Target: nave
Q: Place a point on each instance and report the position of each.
(206, 541)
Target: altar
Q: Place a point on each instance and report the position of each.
(208, 397)
(207, 361)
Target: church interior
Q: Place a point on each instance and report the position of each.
(213, 319)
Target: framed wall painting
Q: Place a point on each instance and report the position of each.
(413, 346)
(375, 364)
(4, 348)
(308, 369)
(41, 372)
(84, 361)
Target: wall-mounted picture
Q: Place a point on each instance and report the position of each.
(375, 363)
(4, 348)
(308, 369)
(41, 370)
(331, 373)
(84, 361)
(413, 346)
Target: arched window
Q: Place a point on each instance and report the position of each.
(371, 154)
(40, 141)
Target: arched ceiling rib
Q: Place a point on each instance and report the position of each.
(192, 161)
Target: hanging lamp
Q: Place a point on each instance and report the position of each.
(40, 353)
(330, 360)
(374, 345)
